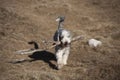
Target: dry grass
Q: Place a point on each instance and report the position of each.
(22, 21)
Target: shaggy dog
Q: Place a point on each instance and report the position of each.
(63, 49)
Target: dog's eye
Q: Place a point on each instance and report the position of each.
(61, 37)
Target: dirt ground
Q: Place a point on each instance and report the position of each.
(22, 21)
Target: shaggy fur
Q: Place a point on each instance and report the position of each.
(62, 50)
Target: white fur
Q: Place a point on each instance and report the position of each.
(58, 19)
(62, 53)
(66, 35)
(94, 43)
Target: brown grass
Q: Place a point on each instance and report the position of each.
(22, 21)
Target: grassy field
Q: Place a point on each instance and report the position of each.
(22, 21)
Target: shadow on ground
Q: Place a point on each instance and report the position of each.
(45, 56)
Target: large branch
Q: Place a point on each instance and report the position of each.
(28, 51)
(77, 38)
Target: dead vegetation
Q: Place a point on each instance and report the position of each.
(22, 21)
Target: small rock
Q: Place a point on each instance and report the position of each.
(94, 43)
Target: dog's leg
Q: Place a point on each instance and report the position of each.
(65, 55)
(59, 56)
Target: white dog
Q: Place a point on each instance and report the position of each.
(62, 50)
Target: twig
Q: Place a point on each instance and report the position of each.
(77, 38)
(28, 51)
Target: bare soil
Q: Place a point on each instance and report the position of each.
(22, 21)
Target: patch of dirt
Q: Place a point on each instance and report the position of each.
(22, 21)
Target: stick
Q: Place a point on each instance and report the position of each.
(77, 38)
(28, 51)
